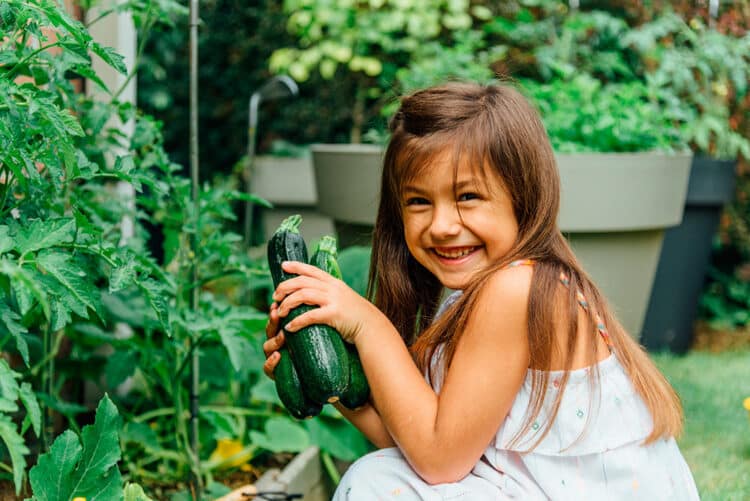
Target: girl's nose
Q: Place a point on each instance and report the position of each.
(445, 223)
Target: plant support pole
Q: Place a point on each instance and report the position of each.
(194, 297)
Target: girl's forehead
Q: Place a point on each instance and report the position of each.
(446, 165)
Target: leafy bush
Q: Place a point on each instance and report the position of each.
(365, 43)
(82, 302)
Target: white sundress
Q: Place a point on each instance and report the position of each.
(607, 462)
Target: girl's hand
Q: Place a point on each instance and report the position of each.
(339, 306)
(274, 342)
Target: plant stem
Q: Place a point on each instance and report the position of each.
(150, 21)
(12, 73)
(146, 416)
(197, 483)
(169, 411)
(330, 467)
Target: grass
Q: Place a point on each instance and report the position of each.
(716, 440)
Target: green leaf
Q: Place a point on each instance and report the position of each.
(50, 478)
(25, 288)
(141, 434)
(73, 279)
(6, 243)
(123, 276)
(11, 319)
(238, 348)
(156, 295)
(111, 57)
(281, 435)
(29, 401)
(87, 469)
(265, 391)
(120, 366)
(72, 126)
(338, 437)
(67, 409)
(134, 492)
(39, 234)
(17, 449)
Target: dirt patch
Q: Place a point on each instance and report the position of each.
(716, 341)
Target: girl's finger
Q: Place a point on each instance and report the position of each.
(272, 326)
(270, 364)
(293, 284)
(274, 344)
(316, 316)
(300, 268)
(302, 296)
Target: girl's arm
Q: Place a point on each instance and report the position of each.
(442, 436)
(365, 419)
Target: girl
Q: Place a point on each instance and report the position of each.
(521, 384)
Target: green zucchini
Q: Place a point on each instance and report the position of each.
(358, 390)
(290, 390)
(317, 351)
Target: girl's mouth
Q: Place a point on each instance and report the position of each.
(454, 253)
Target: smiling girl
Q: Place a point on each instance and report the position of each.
(521, 383)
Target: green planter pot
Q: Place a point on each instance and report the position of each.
(348, 183)
(614, 210)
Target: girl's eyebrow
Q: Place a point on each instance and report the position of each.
(413, 189)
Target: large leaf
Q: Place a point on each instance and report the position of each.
(50, 477)
(73, 279)
(43, 234)
(281, 434)
(338, 437)
(238, 348)
(88, 469)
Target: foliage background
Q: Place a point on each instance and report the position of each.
(240, 46)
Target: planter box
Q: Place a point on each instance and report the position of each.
(614, 210)
(288, 183)
(685, 256)
(303, 475)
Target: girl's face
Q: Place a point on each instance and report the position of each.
(451, 246)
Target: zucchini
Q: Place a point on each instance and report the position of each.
(290, 390)
(317, 351)
(358, 390)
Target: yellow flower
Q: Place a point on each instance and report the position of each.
(228, 447)
(746, 404)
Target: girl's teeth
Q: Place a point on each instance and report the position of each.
(454, 254)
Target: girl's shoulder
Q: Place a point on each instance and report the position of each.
(512, 282)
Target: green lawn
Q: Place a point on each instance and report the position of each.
(716, 441)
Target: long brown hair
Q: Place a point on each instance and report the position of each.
(496, 126)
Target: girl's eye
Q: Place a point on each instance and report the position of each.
(467, 196)
(416, 201)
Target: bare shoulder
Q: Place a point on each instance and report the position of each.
(502, 304)
(509, 287)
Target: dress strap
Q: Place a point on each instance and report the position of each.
(579, 297)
